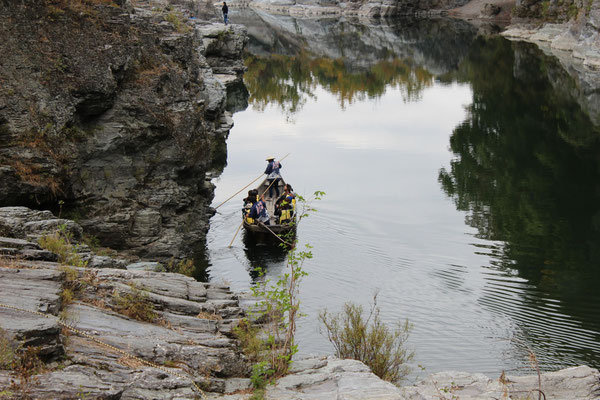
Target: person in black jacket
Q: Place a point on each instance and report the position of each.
(225, 10)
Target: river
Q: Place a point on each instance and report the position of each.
(462, 179)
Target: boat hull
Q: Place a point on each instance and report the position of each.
(273, 228)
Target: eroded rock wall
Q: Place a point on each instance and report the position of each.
(361, 8)
(116, 110)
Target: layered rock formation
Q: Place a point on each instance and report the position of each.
(572, 35)
(360, 8)
(120, 111)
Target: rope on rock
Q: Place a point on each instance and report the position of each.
(113, 348)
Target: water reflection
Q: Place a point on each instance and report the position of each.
(289, 80)
(526, 170)
(375, 107)
(262, 254)
(288, 58)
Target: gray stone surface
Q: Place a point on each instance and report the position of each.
(146, 266)
(332, 378)
(198, 348)
(577, 383)
(36, 290)
(27, 224)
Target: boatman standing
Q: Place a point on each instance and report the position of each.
(273, 175)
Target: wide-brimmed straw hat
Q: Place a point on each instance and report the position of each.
(269, 158)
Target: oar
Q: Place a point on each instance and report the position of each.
(236, 193)
(276, 235)
(236, 232)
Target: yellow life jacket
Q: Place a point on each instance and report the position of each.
(286, 216)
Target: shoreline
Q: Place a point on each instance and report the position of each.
(190, 343)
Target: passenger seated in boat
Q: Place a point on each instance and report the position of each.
(286, 204)
(252, 197)
(258, 212)
(248, 201)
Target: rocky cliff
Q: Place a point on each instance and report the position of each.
(360, 8)
(119, 109)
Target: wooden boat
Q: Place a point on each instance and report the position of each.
(274, 227)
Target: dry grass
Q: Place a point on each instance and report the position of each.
(24, 364)
(147, 76)
(135, 304)
(178, 21)
(13, 263)
(59, 243)
(210, 316)
(184, 267)
(32, 174)
(130, 362)
(56, 8)
(28, 173)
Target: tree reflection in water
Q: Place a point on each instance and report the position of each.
(289, 80)
(527, 171)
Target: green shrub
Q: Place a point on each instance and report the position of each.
(8, 351)
(278, 308)
(369, 340)
(176, 19)
(248, 335)
(72, 285)
(60, 244)
(135, 304)
(184, 267)
(261, 373)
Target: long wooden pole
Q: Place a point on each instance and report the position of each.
(236, 233)
(276, 235)
(236, 193)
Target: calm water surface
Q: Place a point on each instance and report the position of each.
(462, 186)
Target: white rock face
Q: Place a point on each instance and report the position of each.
(577, 383)
(332, 378)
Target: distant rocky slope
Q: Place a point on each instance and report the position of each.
(361, 8)
(119, 109)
